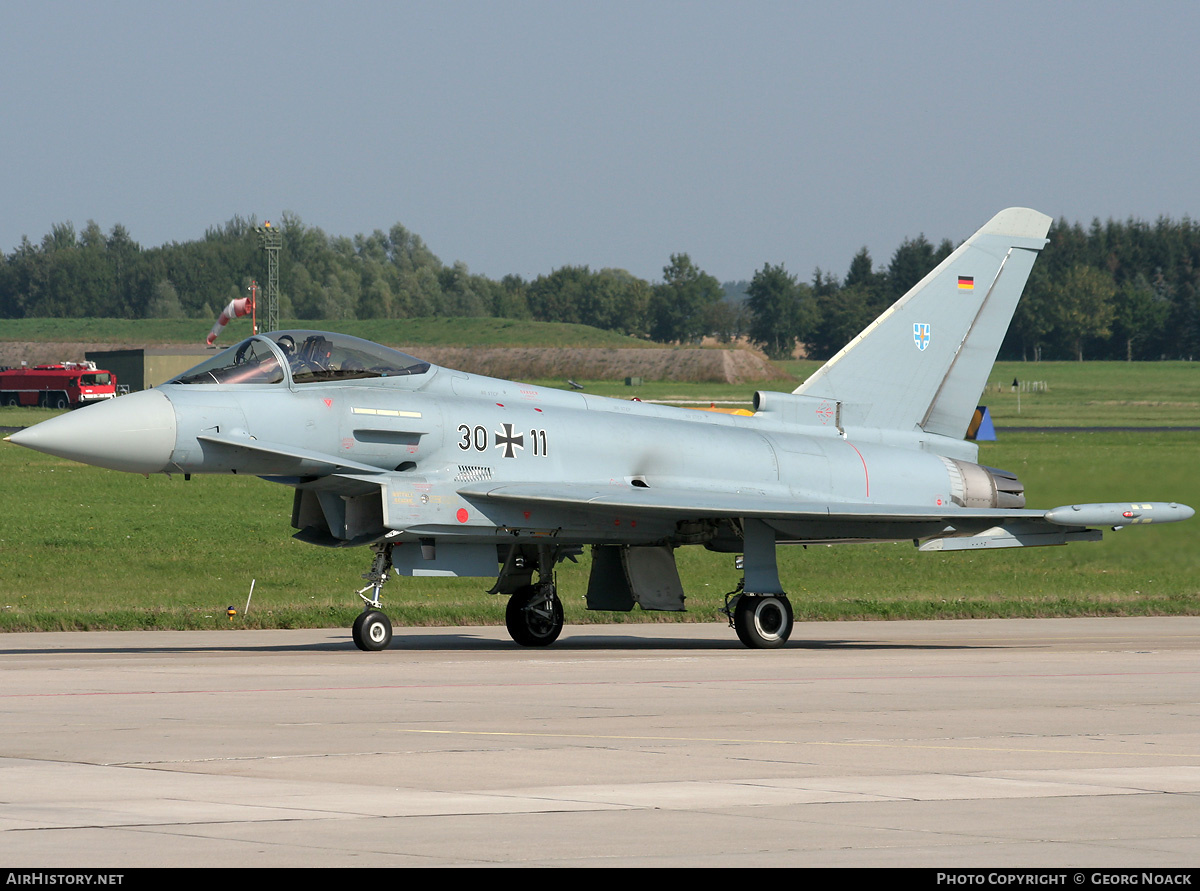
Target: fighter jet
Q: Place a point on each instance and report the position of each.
(442, 473)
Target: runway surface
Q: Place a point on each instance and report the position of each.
(940, 744)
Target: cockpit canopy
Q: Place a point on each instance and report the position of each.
(308, 356)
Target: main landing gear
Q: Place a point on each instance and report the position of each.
(534, 615)
(762, 621)
(757, 608)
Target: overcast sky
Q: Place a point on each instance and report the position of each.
(524, 136)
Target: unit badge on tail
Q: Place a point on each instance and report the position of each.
(921, 334)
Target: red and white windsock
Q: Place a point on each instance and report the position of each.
(237, 307)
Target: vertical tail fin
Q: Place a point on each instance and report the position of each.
(924, 362)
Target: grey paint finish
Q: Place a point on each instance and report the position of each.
(135, 433)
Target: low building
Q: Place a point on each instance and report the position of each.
(141, 369)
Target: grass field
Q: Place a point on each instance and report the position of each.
(84, 548)
(427, 331)
(1077, 394)
(1137, 394)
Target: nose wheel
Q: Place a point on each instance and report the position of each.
(372, 630)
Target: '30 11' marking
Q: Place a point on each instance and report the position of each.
(476, 438)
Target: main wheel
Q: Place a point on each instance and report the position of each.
(763, 621)
(59, 401)
(372, 630)
(534, 617)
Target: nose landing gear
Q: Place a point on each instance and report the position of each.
(372, 630)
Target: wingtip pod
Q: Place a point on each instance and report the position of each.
(1119, 514)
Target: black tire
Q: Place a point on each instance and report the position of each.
(59, 400)
(533, 619)
(11, 399)
(763, 621)
(372, 630)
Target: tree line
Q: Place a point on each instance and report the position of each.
(1120, 290)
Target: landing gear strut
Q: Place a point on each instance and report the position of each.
(372, 629)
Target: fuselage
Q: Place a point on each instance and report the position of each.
(397, 449)
(431, 433)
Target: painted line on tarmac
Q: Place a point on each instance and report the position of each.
(662, 682)
(867, 744)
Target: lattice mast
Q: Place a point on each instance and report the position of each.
(270, 239)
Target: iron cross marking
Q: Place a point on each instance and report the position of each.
(507, 441)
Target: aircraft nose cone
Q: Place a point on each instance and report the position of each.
(135, 433)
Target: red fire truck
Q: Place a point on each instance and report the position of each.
(58, 386)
